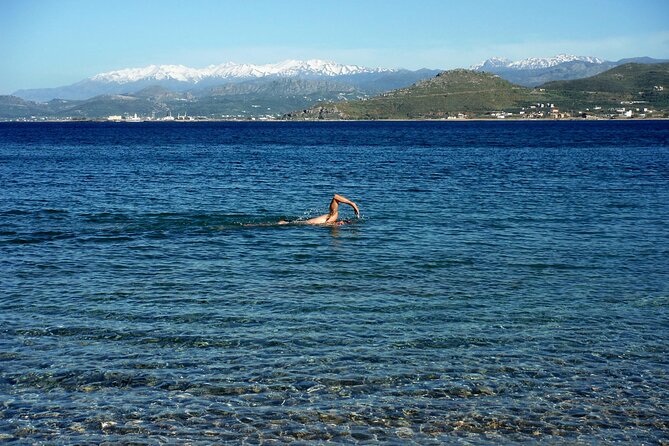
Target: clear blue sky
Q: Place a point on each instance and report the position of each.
(47, 43)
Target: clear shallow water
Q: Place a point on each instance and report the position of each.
(508, 282)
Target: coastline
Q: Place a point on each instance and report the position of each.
(149, 121)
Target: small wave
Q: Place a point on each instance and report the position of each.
(106, 239)
(34, 237)
(446, 263)
(171, 221)
(48, 212)
(417, 190)
(15, 212)
(557, 266)
(106, 217)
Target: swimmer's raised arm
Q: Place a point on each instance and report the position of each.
(340, 199)
(333, 215)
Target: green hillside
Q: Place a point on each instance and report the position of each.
(447, 94)
(478, 94)
(640, 83)
(626, 78)
(450, 92)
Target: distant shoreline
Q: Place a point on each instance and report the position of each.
(104, 121)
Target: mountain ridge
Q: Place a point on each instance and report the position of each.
(183, 78)
(532, 72)
(449, 92)
(180, 78)
(248, 99)
(533, 63)
(182, 73)
(469, 93)
(279, 89)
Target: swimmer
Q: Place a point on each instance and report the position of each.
(331, 217)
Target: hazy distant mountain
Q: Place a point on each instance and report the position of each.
(536, 71)
(12, 107)
(273, 96)
(277, 87)
(251, 98)
(641, 60)
(180, 78)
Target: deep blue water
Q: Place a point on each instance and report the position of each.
(507, 282)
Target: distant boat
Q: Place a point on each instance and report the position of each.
(134, 118)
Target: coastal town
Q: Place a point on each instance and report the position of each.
(537, 111)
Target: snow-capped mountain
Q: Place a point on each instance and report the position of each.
(493, 62)
(534, 63)
(181, 78)
(535, 71)
(230, 70)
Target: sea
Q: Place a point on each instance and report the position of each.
(506, 283)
